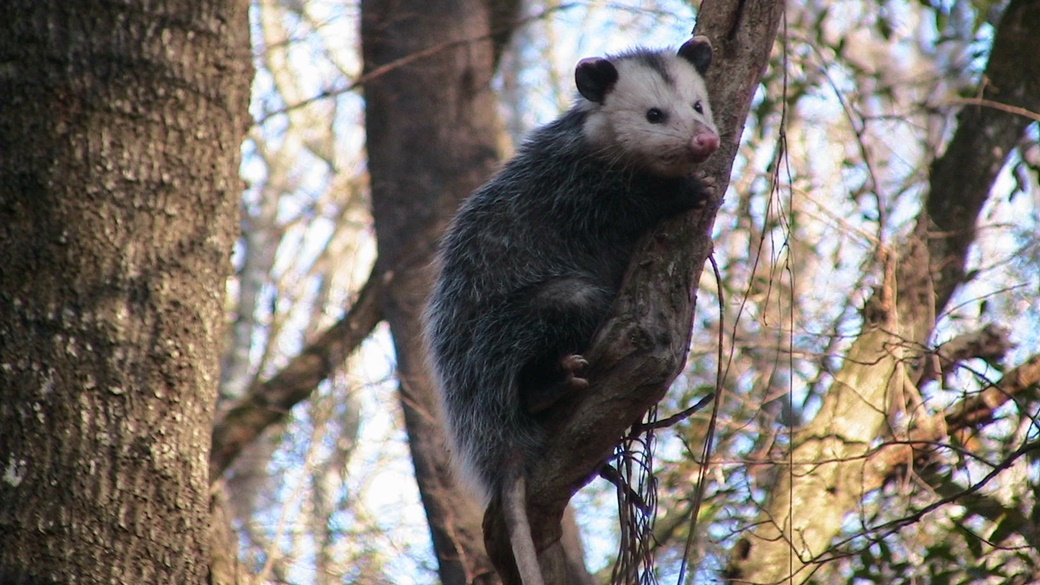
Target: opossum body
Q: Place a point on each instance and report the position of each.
(534, 258)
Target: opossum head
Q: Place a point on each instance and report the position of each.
(649, 109)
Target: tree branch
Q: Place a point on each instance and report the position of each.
(919, 446)
(973, 412)
(962, 178)
(979, 409)
(991, 343)
(266, 403)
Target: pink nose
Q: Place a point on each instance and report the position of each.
(704, 143)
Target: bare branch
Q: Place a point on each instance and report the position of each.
(266, 403)
(504, 26)
(991, 343)
(998, 105)
(979, 409)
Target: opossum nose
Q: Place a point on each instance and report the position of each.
(703, 145)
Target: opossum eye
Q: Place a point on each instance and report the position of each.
(698, 107)
(654, 116)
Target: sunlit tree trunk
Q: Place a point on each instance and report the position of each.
(120, 128)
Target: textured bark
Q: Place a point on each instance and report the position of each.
(643, 347)
(120, 127)
(431, 127)
(826, 482)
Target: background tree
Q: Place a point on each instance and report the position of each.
(119, 151)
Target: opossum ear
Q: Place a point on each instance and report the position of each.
(698, 52)
(595, 77)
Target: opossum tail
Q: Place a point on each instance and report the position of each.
(514, 510)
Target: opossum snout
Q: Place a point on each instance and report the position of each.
(704, 143)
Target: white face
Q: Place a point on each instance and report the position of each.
(663, 125)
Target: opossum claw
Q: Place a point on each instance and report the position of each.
(538, 400)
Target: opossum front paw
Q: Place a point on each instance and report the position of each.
(708, 182)
(706, 192)
(573, 365)
(538, 400)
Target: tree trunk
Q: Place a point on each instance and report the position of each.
(432, 135)
(120, 129)
(808, 506)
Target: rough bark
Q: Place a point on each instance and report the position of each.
(807, 507)
(643, 347)
(432, 135)
(120, 127)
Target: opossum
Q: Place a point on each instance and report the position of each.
(533, 260)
